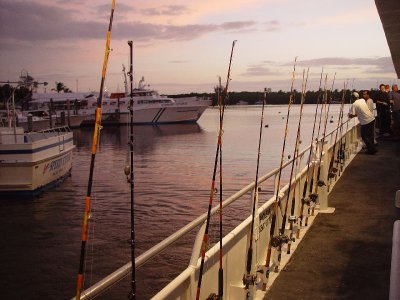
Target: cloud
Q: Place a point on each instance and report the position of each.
(168, 10)
(259, 70)
(272, 25)
(44, 23)
(369, 65)
(105, 8)
(178, 61)
(336, 61)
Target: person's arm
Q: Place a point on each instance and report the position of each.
(350, 115)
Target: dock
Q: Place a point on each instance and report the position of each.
(347, 254)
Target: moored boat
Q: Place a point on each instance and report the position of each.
(33, 162)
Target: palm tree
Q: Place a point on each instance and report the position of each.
(60, 87)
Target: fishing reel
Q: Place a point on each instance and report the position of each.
(279, 240)
(305, 201)
(292, 219)
(313, 197)
(212, 296)
(249, 279)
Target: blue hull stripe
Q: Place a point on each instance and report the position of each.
(162, 111)
(155, 117)
(30, 151)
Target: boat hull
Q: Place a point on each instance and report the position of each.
(153, 116)
(29, 168)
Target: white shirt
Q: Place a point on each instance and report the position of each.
(361, 110)
(370, 104)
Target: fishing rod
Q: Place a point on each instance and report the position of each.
(340, 151)
(292, 218)
(96, 135)
(219, 144)
(342, 157)
(324, 101)
(248, 278)
(284, 218)
(332, 170)
(220, 270)
(303, 199)
(273, 241)
(319, 182)
(132, 294)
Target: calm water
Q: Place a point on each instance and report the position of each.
(40, 246)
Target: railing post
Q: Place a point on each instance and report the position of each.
(323, 190)
(197, 245)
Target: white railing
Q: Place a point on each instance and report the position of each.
(235, 243)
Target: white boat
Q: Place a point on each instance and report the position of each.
(148, 106)
(33, 162)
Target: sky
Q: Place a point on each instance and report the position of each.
(182, 46)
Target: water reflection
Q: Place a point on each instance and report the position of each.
(173, 168)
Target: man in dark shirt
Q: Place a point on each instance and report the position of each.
(394, 98)
(383, 109)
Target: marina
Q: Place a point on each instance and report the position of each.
(189, 196)
(165, 174)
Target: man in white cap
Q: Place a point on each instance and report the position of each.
(366, 118)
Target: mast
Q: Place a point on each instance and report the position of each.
(96, 134)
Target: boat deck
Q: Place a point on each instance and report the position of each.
(347, 254)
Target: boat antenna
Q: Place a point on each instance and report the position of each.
(132, 294)
(249, 279)
(292, 218)
(319, 182)
(303, 199)
(96, 135)
(222, 104)
(274, 219)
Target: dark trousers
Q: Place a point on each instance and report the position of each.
(384, 120)
(367, 135)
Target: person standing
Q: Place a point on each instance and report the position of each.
(383, 108)
(394, 98)
(366, 118)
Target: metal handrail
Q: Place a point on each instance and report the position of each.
(124, 271)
